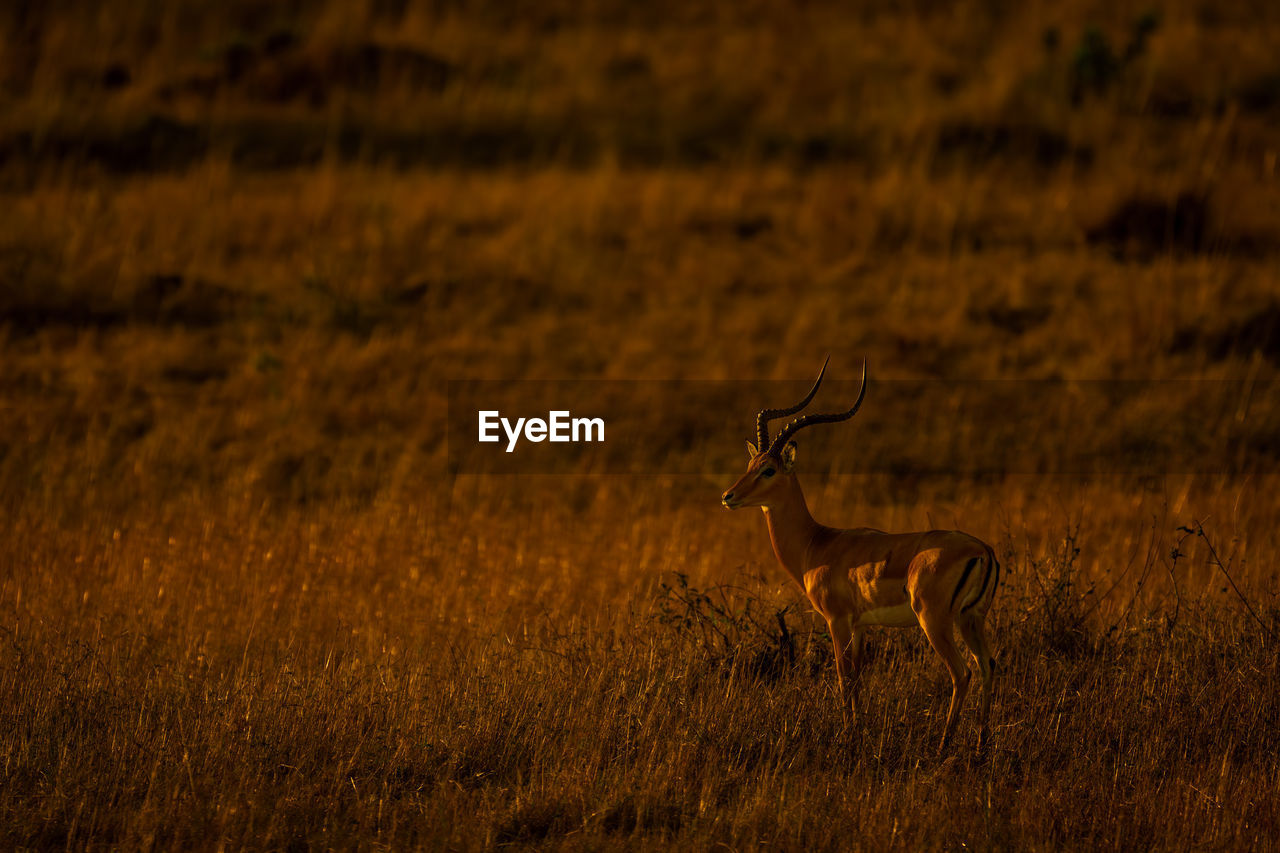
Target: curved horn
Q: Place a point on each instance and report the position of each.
(810, 420)
(762, 419)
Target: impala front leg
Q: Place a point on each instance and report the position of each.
(848, 649)
(855, 666)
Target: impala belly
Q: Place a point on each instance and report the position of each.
(884, 598)
(896, 616)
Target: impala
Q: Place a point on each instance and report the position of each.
(860, 577)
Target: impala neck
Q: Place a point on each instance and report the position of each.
(791, 528)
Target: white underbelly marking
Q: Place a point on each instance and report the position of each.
(896, 616)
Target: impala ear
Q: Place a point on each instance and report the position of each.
(789, 456)
(751, 450)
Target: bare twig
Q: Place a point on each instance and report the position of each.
(1198, 530)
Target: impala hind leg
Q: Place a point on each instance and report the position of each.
(939, 633)
(972, 630)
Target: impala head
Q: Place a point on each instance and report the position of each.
(773, 463)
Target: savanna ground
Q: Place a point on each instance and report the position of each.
(247, 604)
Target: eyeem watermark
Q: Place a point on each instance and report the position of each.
(560, 426)
(905, 427)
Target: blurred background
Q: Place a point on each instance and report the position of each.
(244, 245)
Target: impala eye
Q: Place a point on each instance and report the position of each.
(768, 472)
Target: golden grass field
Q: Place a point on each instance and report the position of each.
(248, 604)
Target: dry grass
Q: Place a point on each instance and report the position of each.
(247, 605)
(402, 678)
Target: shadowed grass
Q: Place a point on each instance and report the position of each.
(356, 680)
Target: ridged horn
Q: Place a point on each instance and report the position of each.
(814, 419)
(762, 419)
